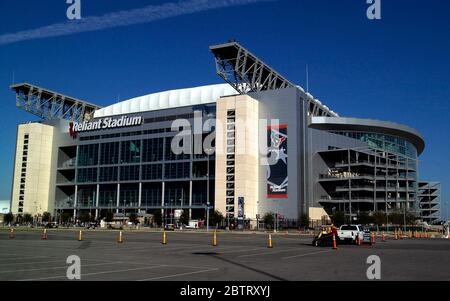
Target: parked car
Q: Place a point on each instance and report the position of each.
(51, 225)
(325, 238)
(169, 227)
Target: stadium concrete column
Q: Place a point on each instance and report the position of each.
(246, 182)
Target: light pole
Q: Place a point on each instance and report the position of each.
(404, 216)
(123, 211)
(171, 211)
(207, 216)
(207, 150)
(276, 216)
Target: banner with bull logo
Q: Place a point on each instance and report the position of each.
(277, 171)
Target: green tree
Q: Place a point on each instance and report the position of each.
(184, 218)
(46, 217)
(215, 218)
(65, 217)
(411, 218)
(109, 216)
(27, 218)
(269, 219)
(304, 220)
(338, 218)
(85, 217)
(157, 217)
(396, 218)
(364, 218)
(8, 218)
(379, 218)
(133, 218)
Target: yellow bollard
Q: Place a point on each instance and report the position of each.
(214, 240)
(270, 241)
(120, 238)
(44, 234)
(80, 236)
(164, 238)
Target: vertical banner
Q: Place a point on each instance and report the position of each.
(240, 212)
(277, 171)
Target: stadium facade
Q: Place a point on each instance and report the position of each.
(253, 145)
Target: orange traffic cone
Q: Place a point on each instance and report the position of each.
(373, 238)
(334, 242)
(11, 233)
(44, 235)
(383, 238)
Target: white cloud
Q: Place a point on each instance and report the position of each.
(122, 18)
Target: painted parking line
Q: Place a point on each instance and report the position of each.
(208, 247)
(167, 250)
(61, 267)
(22, 258)
(33, 262)
(171, 266)
(14, 254)
(165, 247)
(97, 273)
(306, 254)
(268, 253)
(50, 261)
(178, 275)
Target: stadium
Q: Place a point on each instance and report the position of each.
(255, 144)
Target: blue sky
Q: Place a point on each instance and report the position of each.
(395, 69)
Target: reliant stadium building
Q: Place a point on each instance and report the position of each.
(272, 148)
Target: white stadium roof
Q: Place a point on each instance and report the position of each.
(174, 99)
(168, 99)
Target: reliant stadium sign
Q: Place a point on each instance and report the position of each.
(103, 124)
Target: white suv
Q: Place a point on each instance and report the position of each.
(349, 233)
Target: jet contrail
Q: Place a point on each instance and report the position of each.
(122, 18)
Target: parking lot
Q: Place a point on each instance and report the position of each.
(190, 256)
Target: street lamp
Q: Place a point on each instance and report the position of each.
(276, 216)
(171, 211)
(207, 216)
(207, 151)
(404, 216)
